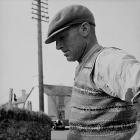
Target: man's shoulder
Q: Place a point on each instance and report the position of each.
(111, 56)
(112, 51)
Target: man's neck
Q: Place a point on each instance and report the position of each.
(87, 49)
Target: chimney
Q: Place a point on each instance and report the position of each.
(23, 91)
(10, 95)
(29, 105)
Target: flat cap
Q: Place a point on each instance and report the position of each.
(66, 17)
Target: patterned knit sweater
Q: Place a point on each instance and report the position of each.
(95, 115)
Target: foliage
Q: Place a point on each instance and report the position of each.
(19, 124)
(25, 115)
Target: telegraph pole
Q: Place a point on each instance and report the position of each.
(40, 13)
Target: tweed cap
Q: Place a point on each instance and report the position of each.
(67, 17)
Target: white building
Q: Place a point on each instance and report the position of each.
(56, 101)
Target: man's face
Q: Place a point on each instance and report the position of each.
(71, 43)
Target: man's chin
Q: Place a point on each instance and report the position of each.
(70, 59)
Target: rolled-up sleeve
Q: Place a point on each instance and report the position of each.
(118, 74)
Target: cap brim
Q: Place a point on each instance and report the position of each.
(51, 38)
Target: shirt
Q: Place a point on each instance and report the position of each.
(118, 74)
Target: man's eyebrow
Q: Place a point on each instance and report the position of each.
(60, 35)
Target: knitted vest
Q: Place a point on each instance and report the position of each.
(95, 115)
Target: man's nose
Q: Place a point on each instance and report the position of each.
(59, 45)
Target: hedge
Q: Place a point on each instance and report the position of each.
(20, 124)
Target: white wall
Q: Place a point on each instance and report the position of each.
(67, 108)
(34, 98)
(52, 106)
(46, 99)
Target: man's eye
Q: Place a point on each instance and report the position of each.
(62, 38)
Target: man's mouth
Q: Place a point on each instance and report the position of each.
(66, 53)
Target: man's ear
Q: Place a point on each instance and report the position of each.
(84, 29)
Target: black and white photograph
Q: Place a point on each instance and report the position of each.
(70, 70)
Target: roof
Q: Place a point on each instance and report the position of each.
(57, 90)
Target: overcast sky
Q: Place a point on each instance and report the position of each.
(118, 25)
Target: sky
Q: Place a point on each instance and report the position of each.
(117, 25)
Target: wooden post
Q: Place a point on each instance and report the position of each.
(40, 60)
(40, 12)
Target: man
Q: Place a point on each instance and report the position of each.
(107, 80)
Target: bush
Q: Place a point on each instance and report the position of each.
(19, 124)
